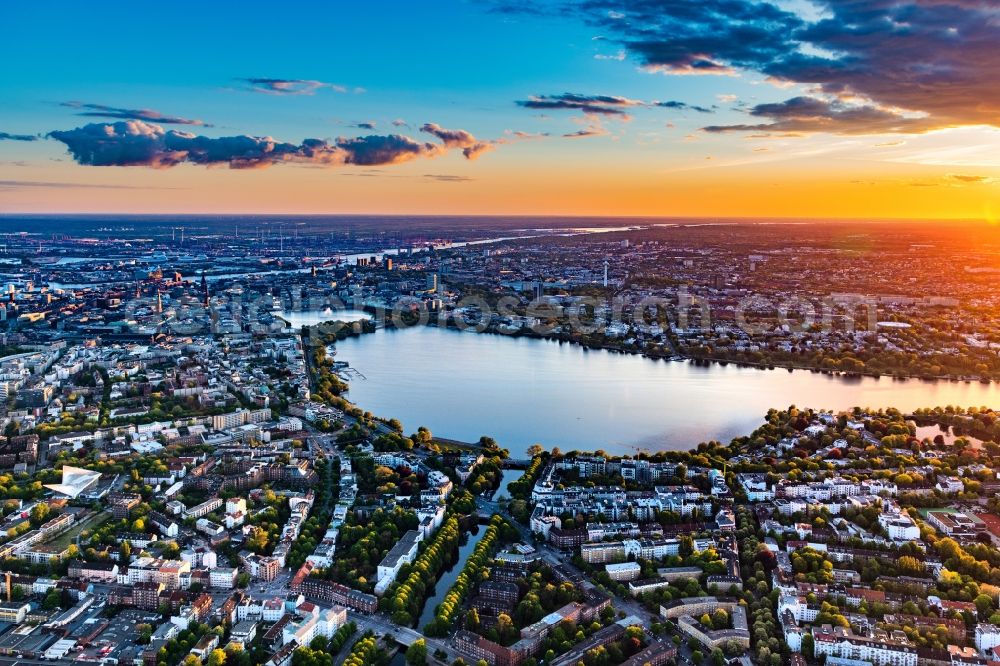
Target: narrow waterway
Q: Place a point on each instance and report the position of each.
(506, 477)
(449, 576)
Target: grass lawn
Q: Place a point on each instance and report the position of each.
(68, 537)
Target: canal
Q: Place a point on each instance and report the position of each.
(450, 574)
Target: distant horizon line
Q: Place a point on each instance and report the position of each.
(755, 219)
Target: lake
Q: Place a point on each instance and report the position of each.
(521, 391)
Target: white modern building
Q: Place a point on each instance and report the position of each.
(404, 552)
(75, 480)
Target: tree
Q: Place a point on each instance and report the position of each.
(52, 599)
(910, 565)
(416, 654)
(258, 541)
(125, 554)
(808, 646)
(40, 513)
(984, 604)
(217, 657)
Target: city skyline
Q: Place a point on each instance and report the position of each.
(724, 109)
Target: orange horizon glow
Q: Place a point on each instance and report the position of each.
(912, 192)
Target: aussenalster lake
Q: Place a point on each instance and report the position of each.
(523, 391)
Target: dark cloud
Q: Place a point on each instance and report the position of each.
(682, 106)
(606, 105)
(706, 37)
(4, 136)
(969, 179)
(457, 138)
(136, 143)
(811, 114)
(102, 111)
(289, 86)
(377, 150)
(20, 184)
(367, 124)
(936, 57)
(584, 133)
(447, 178)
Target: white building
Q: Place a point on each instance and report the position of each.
(325, 623)
(756, 488)
(624, 571)
(879, 650)
(223, 578)
(404, 552)
(899, 527)
(987, 636)
(798, 607)
(74, 481)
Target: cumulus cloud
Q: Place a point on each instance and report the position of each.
(103, 111)
(934, 57)
(137, 143)
(4, 136)
(290, 86)
(605, 105)
(457, 138)
(366, 124)
(374, 150)
(812, 114)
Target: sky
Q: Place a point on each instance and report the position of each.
(700, 108)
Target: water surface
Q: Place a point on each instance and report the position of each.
(300, 318)
(522, 391)
(450, 575)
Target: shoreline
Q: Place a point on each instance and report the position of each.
(678, 357)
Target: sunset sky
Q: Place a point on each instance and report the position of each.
(835, 108)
